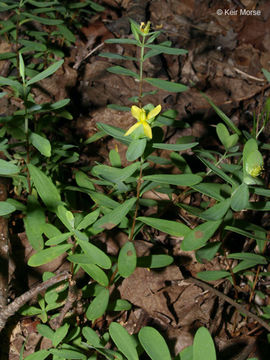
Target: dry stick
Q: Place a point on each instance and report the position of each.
(229, 300)
(12, 308)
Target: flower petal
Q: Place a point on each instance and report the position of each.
(154, 112)
(132, 128)
(147, 129)
(136, 112)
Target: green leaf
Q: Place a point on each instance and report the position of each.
(91, 336)
(45, 187)
(154, 344)
(117, 56)
(21, 67)
(166, 85)
(68, 35)
(240, 198)
(167, 50)
(115, 158)
(266, 74)
(113, 174)
(121, 41)
(173, 228)
(96, 273)
(244, 233)
(217, 171)
(45, 331)
(120, 70)
(88, 220)
(209, 189)
(6, 208)
(185, 354)
(154, 261)
(179, 180)
(15, 85)
(198, 237)
(136, 149)
(115, 132)
(98, 306)
(58, 239)
(83, 180)
(224, 117)
(34, 222)
(207, 252)
(46, 73)
(203, 345)
(113, 218)
(175, 147)
(41, 20)
(60, 334)
(119, 305)
(127, 259)
(8, 168)
(44, 256)
(227, 140)
(123, 341)
(213, 275)
(247, 256)
(68, 354)
(38, 355)
(217, 211)
(41, 144)
(96, 256)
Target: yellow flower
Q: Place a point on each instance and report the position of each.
(145, 28)
(143, 119)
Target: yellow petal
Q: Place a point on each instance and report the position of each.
(154, 112)
(132, 128)
(136, 112)
(147, 129)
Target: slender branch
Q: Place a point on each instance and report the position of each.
(239, 307)
(12, 308)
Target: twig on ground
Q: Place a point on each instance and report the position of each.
(12, 308)
(239, 307)
(73, 296)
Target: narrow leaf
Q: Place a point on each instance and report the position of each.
(120, 70)
(203, 345)
(98, 306)
(45, 187)
(198, 237)
(179, 180)
(173, 228)
(6, 208)
(166, 85)
(46, 73)
(44, 256)
(123, 341)
(154, 344)
(41, 144)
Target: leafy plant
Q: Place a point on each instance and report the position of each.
(231, 183)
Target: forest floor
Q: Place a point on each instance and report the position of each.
(226, 53)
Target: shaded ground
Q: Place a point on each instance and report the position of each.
(225, 57)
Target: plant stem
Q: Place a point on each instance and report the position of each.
(141, 73)
(218, 162)
(139, 183)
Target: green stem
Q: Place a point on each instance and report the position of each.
(218, 162)
(141, 72)
(139, 183)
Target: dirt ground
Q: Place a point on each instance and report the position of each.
(227, 48)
